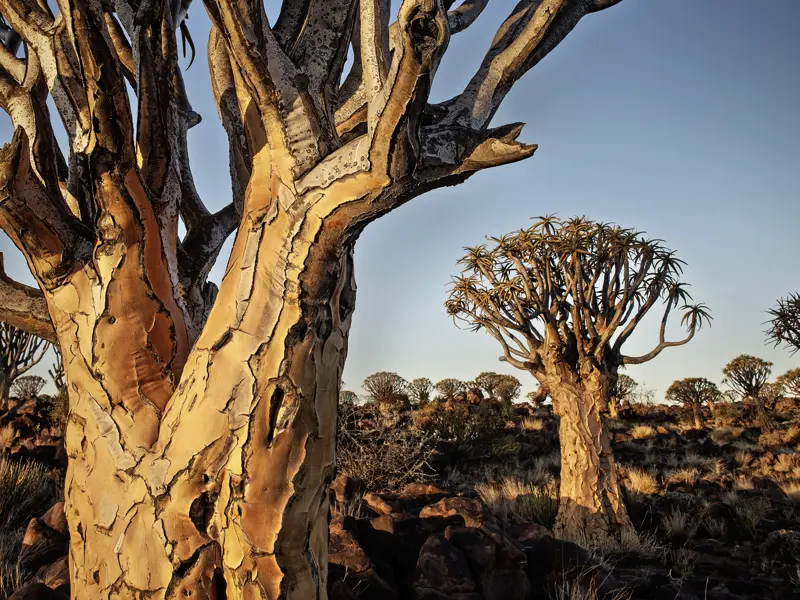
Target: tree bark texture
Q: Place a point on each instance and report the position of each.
(201, 428)
(591, 509)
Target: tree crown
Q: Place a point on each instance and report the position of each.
(746, 374)
(692, 390)
(576, 285)
(784, 324)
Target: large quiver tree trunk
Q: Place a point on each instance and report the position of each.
(201, 440)
(591, 509)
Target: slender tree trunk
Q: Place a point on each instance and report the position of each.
(766, 422)
(591, 510)
(697, 413)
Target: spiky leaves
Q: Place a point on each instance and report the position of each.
(577, 285)
(784, 324)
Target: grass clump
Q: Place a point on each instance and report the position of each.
(26, 488)
(514, 499)
(642, 432)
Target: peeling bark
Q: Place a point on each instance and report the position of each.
(591, 510)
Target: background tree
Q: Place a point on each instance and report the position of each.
(386, 388)
(771, 394)
(746, 375)
(488, 382)
(790, 383)
(222, 402)
(447, 388)
(508, 389)
(420, 389)
(784, 325)
(19, 352)
(693, 393)
(27, 387)
(562, 297)
(622, 391)
(348, 397)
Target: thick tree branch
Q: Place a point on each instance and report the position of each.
(465, 15)
(534, 28)
(24, 307)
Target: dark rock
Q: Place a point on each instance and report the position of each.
(471, 511)
(344, 549)
(476, 546)
(36, 591)
(56, 519)
(442, 567)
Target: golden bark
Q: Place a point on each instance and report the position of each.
(591, 509)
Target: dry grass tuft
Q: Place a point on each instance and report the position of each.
(751, 512)
(642, 432)
(517, 500)
(678, 525)
(687, 476)
(532, 424)
(26, 490)
(792, 490)
(716, 527)
(641, 482)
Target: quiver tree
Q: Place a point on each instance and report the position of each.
(784, 323)
(28, 387)
(620, 394)
(420, 389)
(19, 352)
(693, 393)
(497, 385)
(562, 298)
(386, 388)
(746, 375)
(448, 388)
(202, 420)
(790, 383)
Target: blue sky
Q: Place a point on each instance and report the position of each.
(680, 118)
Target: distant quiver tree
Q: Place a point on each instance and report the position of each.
(746, 375)
(693, 393)
(562, 297)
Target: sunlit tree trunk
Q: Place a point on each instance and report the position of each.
(697, 413)
(591, 509)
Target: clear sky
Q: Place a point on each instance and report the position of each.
(680, 118)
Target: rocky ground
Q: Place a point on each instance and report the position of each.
(455, 500)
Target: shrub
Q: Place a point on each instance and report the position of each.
(715, 526)
(382, 454)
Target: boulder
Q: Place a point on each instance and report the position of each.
(56, 519)
(37, 591)
(471, 511)
(442, 567)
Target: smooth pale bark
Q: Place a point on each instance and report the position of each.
(591, 510)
